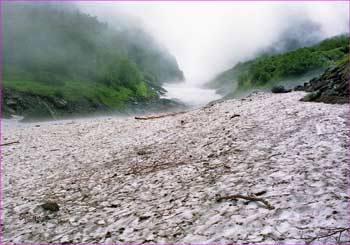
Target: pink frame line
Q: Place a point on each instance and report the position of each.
(175, 1)
(348, 143)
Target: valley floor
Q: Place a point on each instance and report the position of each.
(121, 180)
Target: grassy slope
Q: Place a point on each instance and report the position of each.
(73, 91)
(60, 52)
(267, 70)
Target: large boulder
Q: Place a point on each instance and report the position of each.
(280, 89)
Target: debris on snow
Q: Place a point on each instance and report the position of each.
(123, 180)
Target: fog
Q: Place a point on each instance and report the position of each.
(190, 94)
(209, 37)
(206, 38)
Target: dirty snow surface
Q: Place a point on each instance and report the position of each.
(168, 180)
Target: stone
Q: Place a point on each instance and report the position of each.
(51, 206)
(299, 88)
(280, 89)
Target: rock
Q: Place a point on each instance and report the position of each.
(280, 89)
(331, 87)
(145, 217)
(60, 103)
(11, 102)
(51, 206)
(143, 152)
(211, 155)
(299, 88)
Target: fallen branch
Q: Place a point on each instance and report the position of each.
(277, 154)
(331, 232)
(160, 116)
(249, 198)
(234, 115)
(10, 143)
(260, 193)
(155, 167)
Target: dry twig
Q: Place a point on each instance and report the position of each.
(234, 115)
(10, 143)
(330, 232)
(249, 198)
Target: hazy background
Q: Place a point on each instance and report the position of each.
(209, 37)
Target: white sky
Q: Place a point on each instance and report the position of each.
(209, 37)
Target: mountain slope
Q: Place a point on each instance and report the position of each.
(331, 87)
(57, 52)
(268, 70)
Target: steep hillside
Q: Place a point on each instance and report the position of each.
(155, 61)
(331, 87)
(58, 53)
(268, 70)
(302, 33)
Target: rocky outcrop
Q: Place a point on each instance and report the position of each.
(33, 106)
(331, 87)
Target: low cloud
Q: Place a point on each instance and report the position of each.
(209, 37)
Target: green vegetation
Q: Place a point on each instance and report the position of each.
(267, 70)
(54, 50)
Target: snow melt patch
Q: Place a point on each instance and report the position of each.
(157, 181)
(190, 94)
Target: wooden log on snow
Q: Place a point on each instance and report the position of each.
(10, 143)
(160, 116)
